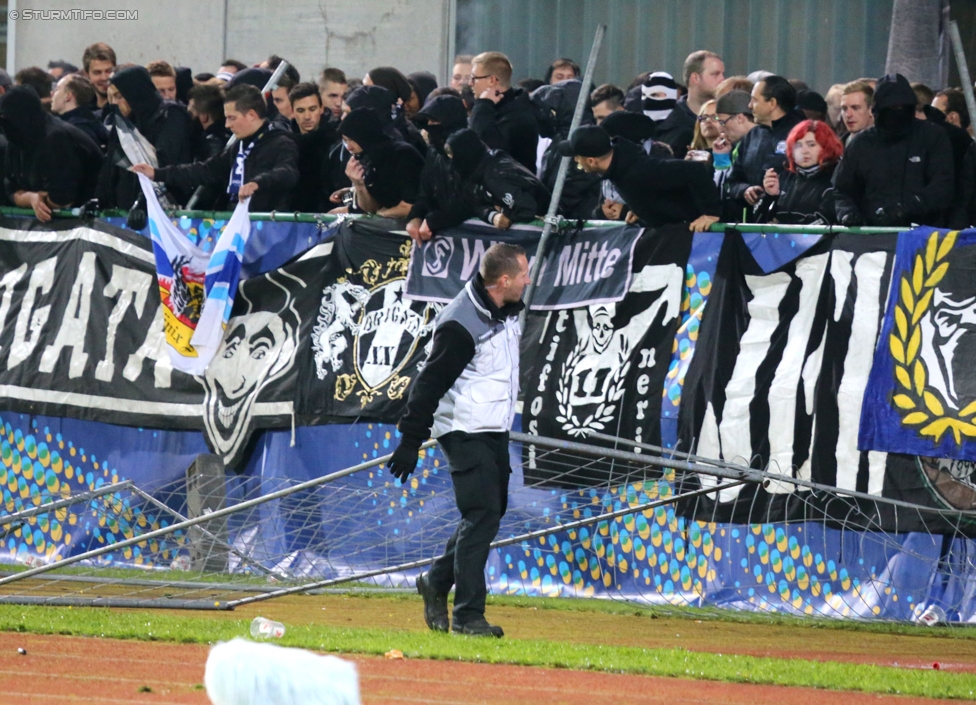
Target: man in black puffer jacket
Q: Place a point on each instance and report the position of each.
(499, 189)
(165, 124)
(439, 204)
(263, 165)
(898, 172)
(504, 117)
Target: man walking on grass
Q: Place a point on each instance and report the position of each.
(465, 398)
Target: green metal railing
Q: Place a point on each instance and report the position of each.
(326, 218)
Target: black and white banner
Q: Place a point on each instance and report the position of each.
(582, 267)
(602, 367)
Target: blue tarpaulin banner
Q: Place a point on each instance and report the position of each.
(921, 395)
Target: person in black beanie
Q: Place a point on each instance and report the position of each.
(439, 204)
(384, 172)
(165, 124)
(900, 170)
(499, 189)
(49, 163)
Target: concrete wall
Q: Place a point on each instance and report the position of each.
(354, 35)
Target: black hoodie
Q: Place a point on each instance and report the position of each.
(493, 181)
(45, 153)
(439, 199)
(164, 123)
(511, 125)
(898, 171)
(392, 167)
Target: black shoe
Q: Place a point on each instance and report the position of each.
(478, 627)
(435, 605)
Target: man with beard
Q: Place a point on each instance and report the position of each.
(384, 172)
(465, 398)
(439, 204)
(657, 191)
(503, 117)
(49, 163)
(499, 189)
(900, 170)
(165, 124)
(99, 64)
(263, 165)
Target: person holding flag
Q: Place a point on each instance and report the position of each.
(263, 165)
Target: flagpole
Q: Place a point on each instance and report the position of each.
(557, 191)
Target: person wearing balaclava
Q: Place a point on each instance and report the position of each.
(581, 191)
(657, 98)
(49, 163)
(439, 204)
(384, 172)
(165, 124)
(900, 170)
(498, 188)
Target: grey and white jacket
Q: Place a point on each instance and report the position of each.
(469, 382)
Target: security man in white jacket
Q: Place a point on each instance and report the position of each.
(465, 398)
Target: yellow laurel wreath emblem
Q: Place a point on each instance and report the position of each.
(920, 405)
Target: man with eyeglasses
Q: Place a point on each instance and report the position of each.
(503, 117)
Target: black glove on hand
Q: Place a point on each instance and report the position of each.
(851, 219)
(887, 216)
(404, 460)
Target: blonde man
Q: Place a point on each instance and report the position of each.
(503, 117)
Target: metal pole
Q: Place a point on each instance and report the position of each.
(557, 191)
(410, 565)
(66, 502)
(268, 88)
(206, 517)
(967, 82)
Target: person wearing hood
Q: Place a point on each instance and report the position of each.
(657, 191)
(657, 98)
(423, 84)
(504, 117)
(263, 165)
(499, 189)
(392, 80)
(900, 170)
(49, 163)
(384, 172)
(439, 204)
(581, 191)
(165, 124)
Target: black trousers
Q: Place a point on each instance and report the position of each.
(479, 470)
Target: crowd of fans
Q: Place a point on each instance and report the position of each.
(756, 148)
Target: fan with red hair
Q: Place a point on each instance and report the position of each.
(831, 148)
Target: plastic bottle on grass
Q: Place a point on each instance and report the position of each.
(262, 628)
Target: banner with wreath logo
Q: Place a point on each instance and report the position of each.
(602, 367)
(921, 395)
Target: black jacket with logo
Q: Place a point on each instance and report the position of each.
(914, 173)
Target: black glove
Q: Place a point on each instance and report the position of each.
(887, 216)
(404, 460)
(138, 218)
(851, 219)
